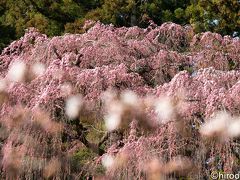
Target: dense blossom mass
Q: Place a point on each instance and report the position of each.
(144, 103)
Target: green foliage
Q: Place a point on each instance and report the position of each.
(96, 131)
(83, 156)
(137, 12)
(221, 16)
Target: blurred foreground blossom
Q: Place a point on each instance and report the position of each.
(114, 109)
(3, 91)
(120, 110)
(3, 84)
(179, 166)
(52, 168)
(125, 107)
(112, 121)
(108, 96)
(11, 160)
(17, 71)
(108, 161)
(129, 98)
(217, 125)
(154, 170)
(73, 106)
(121, 159)
(234, 128)
(164, 109)
(42, 118)
(38, 69)
(222, 125)
(19, 117)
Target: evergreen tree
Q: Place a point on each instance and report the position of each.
(220, 16)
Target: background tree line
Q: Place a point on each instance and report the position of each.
(55, 17)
